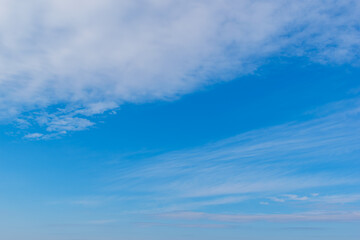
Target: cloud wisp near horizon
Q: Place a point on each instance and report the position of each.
(277, 166)
(64, 61)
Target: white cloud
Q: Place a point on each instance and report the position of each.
(33, 135)
(296, 197)
(92, 56)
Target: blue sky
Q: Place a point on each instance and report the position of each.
(143, 120)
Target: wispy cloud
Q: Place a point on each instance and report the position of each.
(326, 199)
(158, 224)
(262, 165)
(99, 222)
(308, 217)
(346, 198)
(286, 197)
(69, 61)
(34, 135)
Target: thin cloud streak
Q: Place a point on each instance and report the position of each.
(296, 217)
(326, 199)
(261, 165)
(261, 160)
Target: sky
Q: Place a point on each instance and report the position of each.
(196, 120)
